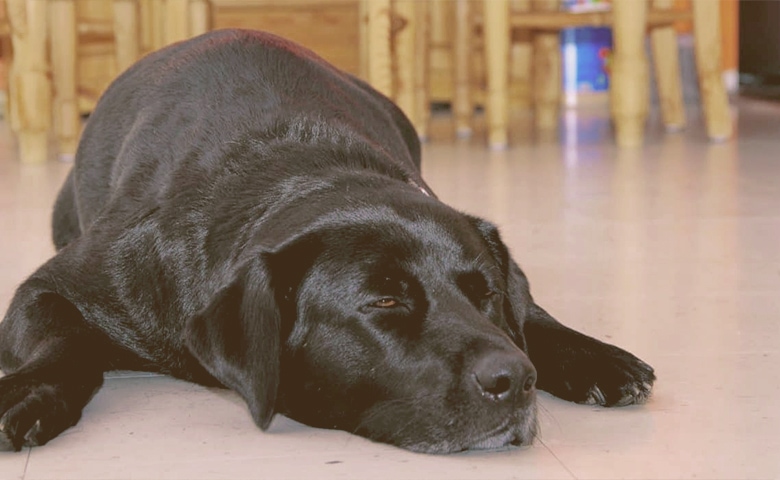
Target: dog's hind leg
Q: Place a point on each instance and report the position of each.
(65, 218)
(54, 363)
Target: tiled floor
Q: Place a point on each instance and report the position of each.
(671, 251)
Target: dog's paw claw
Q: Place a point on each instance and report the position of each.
(31, 438)
(595, 396)
(629, 398)
(637, 394)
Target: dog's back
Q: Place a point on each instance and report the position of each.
(195, 102)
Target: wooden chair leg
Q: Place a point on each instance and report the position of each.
(377, 38)
(363, 40)
(629, 89)
(496, 30)
(176, 21)
(127, 33)
(200, 17)
(547, 72)
(411, 58)
(67, 121)
(667, 72)
(404, 62)
(7, 53)
(153, 26)
(422, 68)
(29, 86)
(706, 24)
(461, 61)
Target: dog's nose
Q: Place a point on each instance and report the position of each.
(505, 377)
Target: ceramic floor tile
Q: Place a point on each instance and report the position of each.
(703, 421)
(670, 251)
(13, 466)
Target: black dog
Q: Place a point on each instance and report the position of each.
(242, 214)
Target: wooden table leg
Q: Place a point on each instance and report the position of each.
(29, 85)
(629, 95)
(667, 72)
(497, 31)
(706, 25)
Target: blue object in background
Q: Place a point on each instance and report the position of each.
(586, 54)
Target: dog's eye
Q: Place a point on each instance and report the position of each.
(386, 303)
(477, 288)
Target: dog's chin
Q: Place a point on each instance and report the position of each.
(429, 428)
(519, 435)
(501, 439)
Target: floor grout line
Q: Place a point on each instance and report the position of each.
(558, 459)
(26, 463)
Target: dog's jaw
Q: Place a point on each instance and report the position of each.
(519, 430)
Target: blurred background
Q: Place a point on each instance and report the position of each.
(432, 57)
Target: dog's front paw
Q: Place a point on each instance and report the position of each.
(616, 378)
(32, 411)
(596, 373)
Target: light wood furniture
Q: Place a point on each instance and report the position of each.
(393, 41)
(42, 86)
(394, 54)
(45, 86)
(169, 21)
(629, 97)
(327, 26)
(46, 36)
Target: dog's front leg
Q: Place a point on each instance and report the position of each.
(54, 364)
(582, 369)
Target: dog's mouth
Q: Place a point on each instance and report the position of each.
(518, 431)
(510, 432)
(502, 437)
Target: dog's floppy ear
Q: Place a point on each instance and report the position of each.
(518, 298)
(237, 339)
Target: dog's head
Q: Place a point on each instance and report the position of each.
(395, 318)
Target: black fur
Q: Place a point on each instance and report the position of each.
(242, 214)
